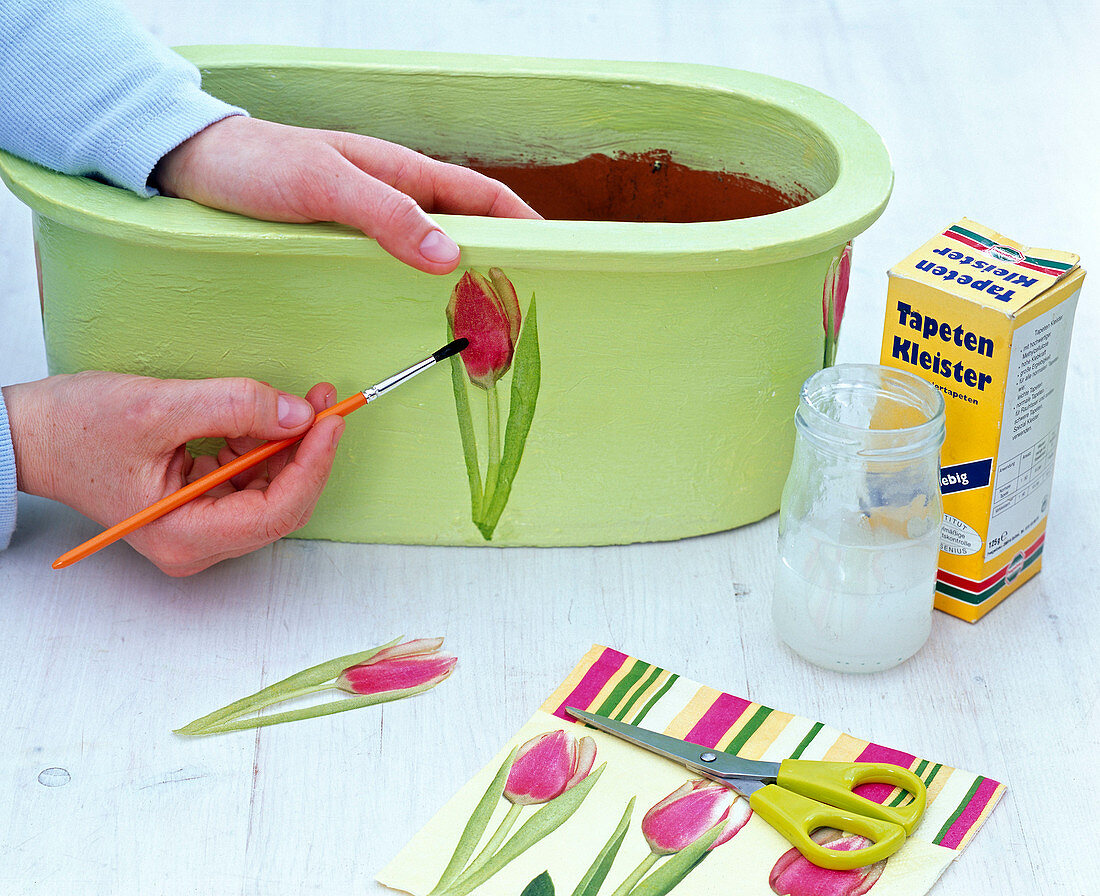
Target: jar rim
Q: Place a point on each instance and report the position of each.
(838, 407)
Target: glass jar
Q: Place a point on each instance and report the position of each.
(859, 524)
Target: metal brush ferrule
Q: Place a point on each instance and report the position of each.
(396, 380)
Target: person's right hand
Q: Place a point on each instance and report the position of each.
(109, 445)
(276, 172)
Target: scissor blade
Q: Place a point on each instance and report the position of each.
(662, 744)
(715, 764)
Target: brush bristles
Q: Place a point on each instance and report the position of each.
(451, 348)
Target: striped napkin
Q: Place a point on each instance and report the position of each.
(588, 845)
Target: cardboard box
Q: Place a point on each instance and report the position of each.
(987, 321)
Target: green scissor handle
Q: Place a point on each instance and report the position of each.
(809, 795)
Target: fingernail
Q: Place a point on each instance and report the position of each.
(439, 247)
(293, 411)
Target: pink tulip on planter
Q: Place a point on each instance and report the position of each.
(413, 664)
(833, 297)
(547, 766)
(795, 875)
(487, 313)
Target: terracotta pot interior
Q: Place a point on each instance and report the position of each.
(648, 187)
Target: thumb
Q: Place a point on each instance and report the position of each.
(231, 408)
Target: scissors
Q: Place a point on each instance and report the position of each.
(798, 796)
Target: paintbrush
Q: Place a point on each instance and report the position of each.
(246, 461)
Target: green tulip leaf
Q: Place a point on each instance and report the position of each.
(466, 431)
(306, 712)
(475, 827)
(526, 379)
(492, 465)
(540, 886)
(592, 881)
(669, 875)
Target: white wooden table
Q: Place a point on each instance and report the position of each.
(989, 112)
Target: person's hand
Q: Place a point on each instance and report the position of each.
(109, 445)
(281, 173)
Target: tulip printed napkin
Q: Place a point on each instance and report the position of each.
(568, 810)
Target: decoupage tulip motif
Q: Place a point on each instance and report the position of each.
(547, 766)
(795, 875)
(834, 295)
(485, 310)
(554, 771)
(688, 813)
(687, 824)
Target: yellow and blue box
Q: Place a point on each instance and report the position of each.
(987, 321)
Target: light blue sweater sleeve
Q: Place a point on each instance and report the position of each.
(7, 479)
(84, 89)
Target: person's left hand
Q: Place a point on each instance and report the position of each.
(281, 173)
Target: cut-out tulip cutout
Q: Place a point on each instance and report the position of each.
(833, 297)
(485, 310)
(552, 770)
(378, 675)
(414, 665)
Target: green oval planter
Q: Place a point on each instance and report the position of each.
(672, 354)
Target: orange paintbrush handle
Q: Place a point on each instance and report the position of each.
(247, 461)
(199, 487)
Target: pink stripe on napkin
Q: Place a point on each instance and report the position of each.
(880, 793)
(595, 678)
(716, 721)
(969, 815)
